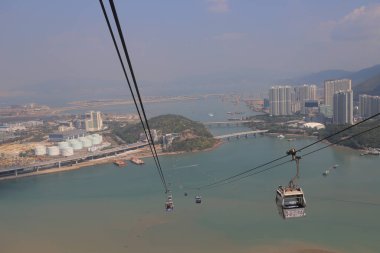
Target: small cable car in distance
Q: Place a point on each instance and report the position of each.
(290, 199)
(169, 206)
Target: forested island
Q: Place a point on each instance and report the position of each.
(173, 132)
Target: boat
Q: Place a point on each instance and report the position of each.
(280, 136)
(198, 199)
(326, 172)
(335, 166)
(137, 161)
(211, 115)
(120, 163)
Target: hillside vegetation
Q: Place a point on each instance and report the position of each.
(369, 87)
(192, 135)
(366, 140)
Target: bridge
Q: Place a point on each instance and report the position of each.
(240, 134)
(229, 123)
(66, 161)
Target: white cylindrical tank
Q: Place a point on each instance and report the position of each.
(40, 150)
(76, 145)
(86, 143)
(63, 144)
(89, 139)
(67, 151)
(53, 151)
(72, 141)
(96, 139)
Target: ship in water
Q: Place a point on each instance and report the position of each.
(120, 163)
(137, 161)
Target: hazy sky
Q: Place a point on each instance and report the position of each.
(63, 47)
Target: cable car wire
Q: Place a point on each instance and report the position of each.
(114, 12)
(129, 85)
(143, 119)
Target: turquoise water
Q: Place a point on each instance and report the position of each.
(109, 209)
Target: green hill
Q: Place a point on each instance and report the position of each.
(369, 87)
(192, 135)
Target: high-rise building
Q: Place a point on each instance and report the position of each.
(343, 107)
(333, 86)
(368, 105)
(301, 95)
(280, 100)
(93, 121)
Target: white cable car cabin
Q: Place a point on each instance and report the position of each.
(198, 199)
(169, 206)
(291, 202)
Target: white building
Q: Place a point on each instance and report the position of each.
(334, 86)
(280, 100)
(368, 105)
(343, 107)
(301, 95)
(93, 121)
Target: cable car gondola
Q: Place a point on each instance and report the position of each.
(169, 206)
(290, 199)
(198, 199)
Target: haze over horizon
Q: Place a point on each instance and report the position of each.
(62, 51)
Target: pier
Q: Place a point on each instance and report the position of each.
(238, 135)
(71, 160)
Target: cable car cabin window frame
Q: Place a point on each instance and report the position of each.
(296, 201)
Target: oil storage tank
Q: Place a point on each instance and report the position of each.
(86, 142)
(76, 145)
(63, 144)
(53, 151)
(96, 139)
(67, 151)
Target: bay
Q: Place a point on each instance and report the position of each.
(109, 209)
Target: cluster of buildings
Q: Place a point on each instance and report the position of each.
(368, 105)
(337, 104)
(91, 121)
(287, 100)
(20, 126)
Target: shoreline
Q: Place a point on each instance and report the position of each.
(143, 153)
(342, 147)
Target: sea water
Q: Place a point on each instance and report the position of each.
(105, 208)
